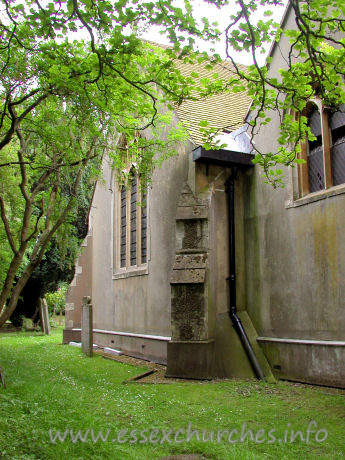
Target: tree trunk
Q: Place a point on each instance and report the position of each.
(37, 252)
(35, 259)
(10, 307)
(8, 284)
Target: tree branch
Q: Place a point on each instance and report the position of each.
(7, 226)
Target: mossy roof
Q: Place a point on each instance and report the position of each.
(225, 111)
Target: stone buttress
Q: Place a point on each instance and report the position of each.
(190, 351)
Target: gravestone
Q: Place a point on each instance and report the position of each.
(86, 327)
(44, 316)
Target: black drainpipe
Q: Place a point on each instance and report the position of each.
(230, 191)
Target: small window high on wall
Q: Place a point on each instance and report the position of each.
(324, 157)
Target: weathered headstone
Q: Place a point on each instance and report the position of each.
(44, 316)
(86, 327)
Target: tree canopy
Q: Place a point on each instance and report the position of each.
(64, 103)
(313, 67)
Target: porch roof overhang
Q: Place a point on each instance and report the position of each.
(222, 157)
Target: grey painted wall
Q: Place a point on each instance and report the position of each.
(137, 304)
(295, 266)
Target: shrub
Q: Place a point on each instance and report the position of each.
(56, 300)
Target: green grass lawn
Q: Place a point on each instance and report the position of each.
(51, 386)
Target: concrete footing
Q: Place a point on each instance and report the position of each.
(192, 360)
